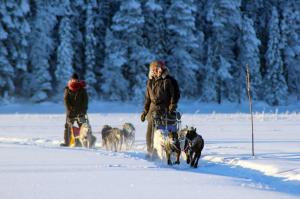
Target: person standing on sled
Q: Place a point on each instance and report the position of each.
(76, 103)
(160, 98)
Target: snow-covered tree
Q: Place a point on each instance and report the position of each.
(127, 27)
(78, 25)
(41, 48)
(6, 69)
(102, 20)
(90, 47)
(209, 92)
(248, 55)
(16, 26)
(290, 28)
(115, 86)
(274, 81)
(154, 28)
(183, 44)
(224, 19)
(65, 53)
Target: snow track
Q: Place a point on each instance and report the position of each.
(32, 162)
(251, 170)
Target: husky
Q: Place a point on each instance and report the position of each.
(112, 138)
(181, 136)
(86, 138)
(193, 147)
(166, 143)
(128, 133)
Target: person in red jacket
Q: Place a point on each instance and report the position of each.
(76, 103)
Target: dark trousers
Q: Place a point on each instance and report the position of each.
(149, 136)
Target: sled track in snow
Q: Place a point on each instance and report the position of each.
(283, 181)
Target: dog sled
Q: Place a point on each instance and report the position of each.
(165, 137)
(80, 134)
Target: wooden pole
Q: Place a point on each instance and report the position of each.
(250, 103)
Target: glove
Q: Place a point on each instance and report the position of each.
(143, 116)
(172, 109)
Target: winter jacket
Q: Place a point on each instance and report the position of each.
(159, 95)
(76, 98)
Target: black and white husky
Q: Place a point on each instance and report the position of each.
(165, 144)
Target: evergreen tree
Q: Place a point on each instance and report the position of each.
(103, 17)
(65, 53)
(78, 25)
(274, 81)
(200, 53)
(224, 20)
(248, 54)
(115, 86)
(209, 90)
(290, 28)
(39, 84)
(90, 45)
(127, 27)
(6, 69)
(14, 22)
(259, 11)
(183, 41)
(17, 44)
(154, 29)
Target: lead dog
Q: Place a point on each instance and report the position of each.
(193, 147)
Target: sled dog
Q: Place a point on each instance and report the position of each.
(193, 147)
(86, 138)
(165, 144)
(128, 133)
(112, 138)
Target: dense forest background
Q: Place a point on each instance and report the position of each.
(205, 43)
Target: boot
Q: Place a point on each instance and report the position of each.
(66, 138)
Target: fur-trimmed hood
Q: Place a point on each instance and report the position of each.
(74, 85)
(163, 75)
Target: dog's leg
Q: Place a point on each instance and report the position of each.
(188, 157)
(178, 152)
(93, 141)
(115, 147)
(197, 157)
(169, 158)
(177, 157)
(193, 158)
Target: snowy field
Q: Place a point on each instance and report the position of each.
(32, 165)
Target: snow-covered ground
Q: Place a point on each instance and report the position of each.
(32, 165)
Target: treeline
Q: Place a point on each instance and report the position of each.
(205, 43)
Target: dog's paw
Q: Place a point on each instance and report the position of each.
(169, 162)
(188, 161)
(177, 162)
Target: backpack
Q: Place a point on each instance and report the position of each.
(176, 88)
